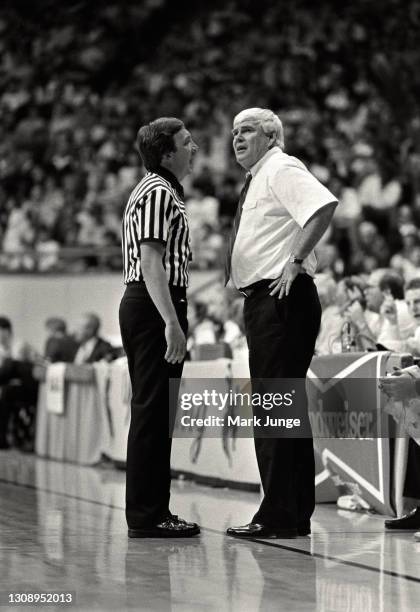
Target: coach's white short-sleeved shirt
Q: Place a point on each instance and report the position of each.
(282, 196)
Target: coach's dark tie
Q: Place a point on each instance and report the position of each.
(235, 227)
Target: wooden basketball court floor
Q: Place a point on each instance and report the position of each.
(62, 529)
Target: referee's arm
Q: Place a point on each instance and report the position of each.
(154, 276)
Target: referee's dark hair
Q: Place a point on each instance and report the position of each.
(156, 139)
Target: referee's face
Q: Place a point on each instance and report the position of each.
(250, 143)
(182, 158)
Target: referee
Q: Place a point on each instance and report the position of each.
(153, 321)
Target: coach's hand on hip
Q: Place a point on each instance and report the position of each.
(283, 283)
(176, 342)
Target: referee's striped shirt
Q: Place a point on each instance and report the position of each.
(155, 212)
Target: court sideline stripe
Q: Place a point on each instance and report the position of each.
(307, 553)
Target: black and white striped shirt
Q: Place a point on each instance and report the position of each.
(155, 212)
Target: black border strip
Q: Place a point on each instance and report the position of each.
(307, 553)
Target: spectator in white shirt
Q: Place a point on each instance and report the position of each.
(412, 299)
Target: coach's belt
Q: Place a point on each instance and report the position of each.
(251, 289)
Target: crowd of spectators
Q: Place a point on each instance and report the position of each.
(77, 79)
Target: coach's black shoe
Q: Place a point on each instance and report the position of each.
(255, 530)
(171, 527)
(304, 529)
(408, 521)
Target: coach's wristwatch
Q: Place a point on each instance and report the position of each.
(296, 260)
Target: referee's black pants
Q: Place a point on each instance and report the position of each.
(281, 338)
(148, 473)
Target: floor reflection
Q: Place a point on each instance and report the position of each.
(62, 527)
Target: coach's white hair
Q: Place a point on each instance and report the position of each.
(268, 120)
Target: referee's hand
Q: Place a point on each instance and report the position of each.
(176, 343)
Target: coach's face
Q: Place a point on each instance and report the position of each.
(250, 143)
(182, 158)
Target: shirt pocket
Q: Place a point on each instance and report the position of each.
(271, 208)
(249, 218)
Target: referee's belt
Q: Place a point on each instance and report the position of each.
(255, 287)
(175, 290)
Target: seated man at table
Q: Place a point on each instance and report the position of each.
(410, 344)
(378, 310)
(91, 346)
(59, 346)
(385, 295)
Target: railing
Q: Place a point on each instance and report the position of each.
(63, 260)
(73, 260)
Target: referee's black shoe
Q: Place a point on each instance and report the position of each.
(171, 527)
(408, 521)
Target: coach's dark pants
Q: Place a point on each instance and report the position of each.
(149, 444)
(281, 338)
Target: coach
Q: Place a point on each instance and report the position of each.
(282, 214)
(153, 321)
